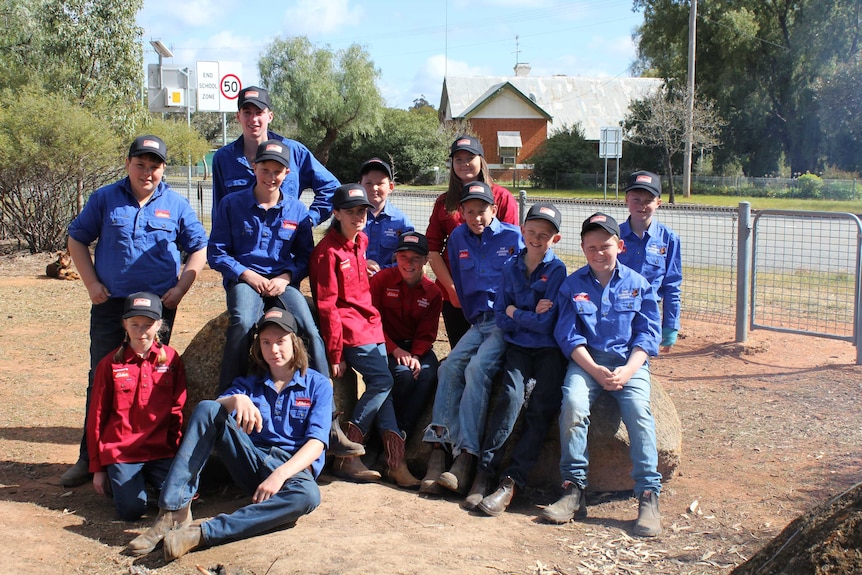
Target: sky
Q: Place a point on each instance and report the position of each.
(414, 43)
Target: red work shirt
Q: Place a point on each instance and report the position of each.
(136, 408)
(441, 222)
(408, 313)
(340, 287)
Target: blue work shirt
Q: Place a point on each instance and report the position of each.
(383, 231)
(232, 173)
(656, 257)
(139, 246)
(269, 242)
(302, 411)
(613, 319)
(528, 328)
(476, 263)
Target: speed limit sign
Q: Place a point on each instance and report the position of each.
(230, 86)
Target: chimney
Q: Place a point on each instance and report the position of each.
(522, 70)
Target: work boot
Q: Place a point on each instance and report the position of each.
(496, 503)
(76, 475)
(181, 540)
(477, 490)
(648, 523)
(339, 444)
(147, 541)
(572, 504)
(351, 467)
(436, 466)
(458, 477)
(393, 443)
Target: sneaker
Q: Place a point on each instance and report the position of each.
(571, 505)
(648, 523)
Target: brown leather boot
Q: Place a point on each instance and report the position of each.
(181, 540)
(351, 467)
(339, 444)
(496, 503)
(436, 466)
(393, 443)
(459, 475)
(481, 485)
(165, 521)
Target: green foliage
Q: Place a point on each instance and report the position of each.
(409, 140)
(567, 151)
(809, 186)
(48, 162)
(325, 94)
(182, 142)
(841, 115)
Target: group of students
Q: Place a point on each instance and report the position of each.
(504, 296)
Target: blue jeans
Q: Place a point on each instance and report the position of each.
(370, 361)
(245, 307)
(464, 386)
(211, 427)
(580, 391)
(128, 485)
(106, 335)
(546, 366)
(410, 396)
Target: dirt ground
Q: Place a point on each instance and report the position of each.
(770, 429)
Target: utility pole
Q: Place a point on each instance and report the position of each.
(689, 102)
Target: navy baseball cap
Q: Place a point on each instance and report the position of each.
(277, 316)
(600, 221)
(253, 95)
(477, 191)
(273, 150)
(545, 211)
(413, 241)
(646, 181)
(468, 143)
(350, 195)
(149, 144)
(375, 164)
(143, 303)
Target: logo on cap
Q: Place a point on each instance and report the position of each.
(643, 178)
(274, 148)
(464, 142)
(548, 212)
(599, 218)
(150, 144)
(411, 239)
(273, 313)
(356, 193)
(142, 302)
(252, 94)
(477, 189)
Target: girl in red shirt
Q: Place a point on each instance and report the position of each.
(467, 159)
(353, 333)
(136, 410)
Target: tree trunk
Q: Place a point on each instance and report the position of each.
(322, 150)
(669, 162)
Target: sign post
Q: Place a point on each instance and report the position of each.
(611, 146)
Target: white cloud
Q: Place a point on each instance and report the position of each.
(315, 18)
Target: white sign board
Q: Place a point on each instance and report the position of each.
(218, 85)
(611, 142)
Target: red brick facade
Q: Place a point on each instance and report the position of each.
(533, 131)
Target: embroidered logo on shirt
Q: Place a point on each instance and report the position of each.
(288, 225)
(392, 292)
(583, 296)
(422, 302)
(464, 254)
(121, 372)
(633, 293)
(345, 265)
(656, 250)
(163, 213)
(391, 232)
(162, 368)
(302, 402)
(543, 278)
(504, 251)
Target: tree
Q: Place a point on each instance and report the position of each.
(48, 161)
(326, 94)
(760, 62)
(659, 120)
(567, 151)
(409, 140)
(840, 102)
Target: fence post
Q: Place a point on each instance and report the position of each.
(522, 206)
(743, 271)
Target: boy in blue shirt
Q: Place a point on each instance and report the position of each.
(385, 222)
(608, 325)
(477, 250)
(526, 313)
(652, 249)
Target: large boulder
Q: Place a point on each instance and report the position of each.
(610, 465)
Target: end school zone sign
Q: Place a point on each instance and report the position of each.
(218, 86)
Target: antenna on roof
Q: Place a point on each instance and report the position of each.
(521, 68)
(517, 51)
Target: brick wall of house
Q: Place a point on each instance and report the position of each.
(534, 131)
